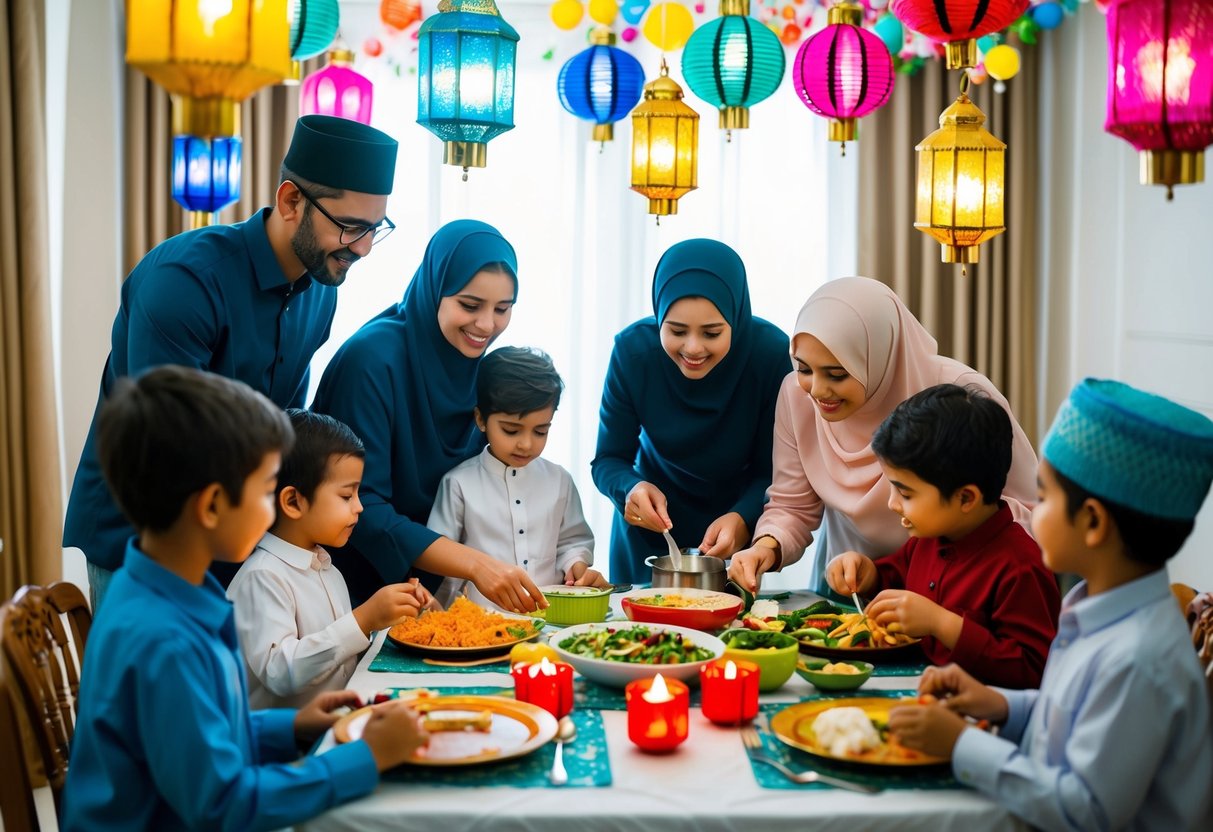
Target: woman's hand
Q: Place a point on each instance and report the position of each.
(747, 566)
(508, 586)
(579, 574)
(645, 508)
(726, 535)
(851, 572)
(316, 717)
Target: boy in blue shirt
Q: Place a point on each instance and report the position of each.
(1118, 735)
(164, 736)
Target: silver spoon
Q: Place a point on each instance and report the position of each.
(675, 552)
(566, 731)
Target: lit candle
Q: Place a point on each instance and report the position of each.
(546, 684)
(730, 691)
(657, 713)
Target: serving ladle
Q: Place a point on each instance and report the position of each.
(675, 552)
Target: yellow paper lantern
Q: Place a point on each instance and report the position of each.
(960, 182)
(1002, 62)
(665, 145)
(668, 26)
(604, 11)
(566, 13)
(210, 54)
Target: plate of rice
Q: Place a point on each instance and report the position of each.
(464, 631)
(854, 730)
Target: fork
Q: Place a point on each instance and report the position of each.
(753, 747)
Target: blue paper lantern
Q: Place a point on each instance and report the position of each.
(465, 79)
(601, 84)
(206, 175)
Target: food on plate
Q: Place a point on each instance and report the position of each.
(636, 645)
(673, 600)
(842, 668)
(850, 631)
(482, 721)
(821, 614)
(463, 625)
(845, 732)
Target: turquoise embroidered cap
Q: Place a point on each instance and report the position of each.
(1133, 448)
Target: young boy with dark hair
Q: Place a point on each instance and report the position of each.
(1117, 737)
(164, 738)
(969, 581)
(297, 630)
(508, 501)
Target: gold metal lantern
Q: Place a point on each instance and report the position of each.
(665, 145)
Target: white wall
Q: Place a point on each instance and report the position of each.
(1128, 275)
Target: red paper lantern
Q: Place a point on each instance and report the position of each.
(399, 14)
(958, 23)
(1160, 85)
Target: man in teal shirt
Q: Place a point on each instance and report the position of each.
(251, 301)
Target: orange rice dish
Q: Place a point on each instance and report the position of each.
(463, 625)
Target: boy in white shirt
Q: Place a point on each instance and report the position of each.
(508, 501)
(297, 632)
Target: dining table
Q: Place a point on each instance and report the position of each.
(707, 784)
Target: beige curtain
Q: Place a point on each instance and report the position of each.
(31, 510)
(987, 318)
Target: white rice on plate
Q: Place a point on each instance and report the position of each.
(845, 732)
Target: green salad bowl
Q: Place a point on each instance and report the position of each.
(774, 653)
(811, 671)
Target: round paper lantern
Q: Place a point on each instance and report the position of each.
(601, 84)
(399, 14)
(733, 62)
(603, 11)
(843, 72)
(668, 26)
(958, 23)
(566, 13)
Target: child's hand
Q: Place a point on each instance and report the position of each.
(393, 733)
(579, 574)
(963, 694)
(931, 729)
(424, 597)
(646, 507)
(851, 572)
(387, 606)
(917, 615)
(726, 535)
(317, 716)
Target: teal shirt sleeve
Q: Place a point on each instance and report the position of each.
(613, 468)
(173, 320)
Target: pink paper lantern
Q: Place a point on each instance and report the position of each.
(337, 89)
(843, 72)
(1160, 85)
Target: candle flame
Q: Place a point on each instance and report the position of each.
(658, 692)
(730, 670)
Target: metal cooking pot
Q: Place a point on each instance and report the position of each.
(698, 571)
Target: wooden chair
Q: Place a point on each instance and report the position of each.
(17, 808)
(1200, 619)
(43, 671)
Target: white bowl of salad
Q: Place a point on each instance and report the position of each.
(617, 653)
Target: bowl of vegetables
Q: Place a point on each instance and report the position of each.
(775, 653)
(832, 676)
(614, 655)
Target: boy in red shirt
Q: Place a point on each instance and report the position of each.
(970, 580)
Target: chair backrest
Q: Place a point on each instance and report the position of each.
(17, 808)
(1200, 619)
(44, 672)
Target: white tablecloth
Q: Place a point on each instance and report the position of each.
(707, 785)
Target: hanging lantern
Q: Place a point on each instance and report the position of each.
(958, 23)
(465, 79)
(601, 84)
(843, 72)
(399, 14)
(1160, 86)
(733, 62)
(313, 26)
(337, 89)
(209, 54)
(206, 175)
(960, 181)
(665, 145)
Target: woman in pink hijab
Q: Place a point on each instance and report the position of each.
(857, 353)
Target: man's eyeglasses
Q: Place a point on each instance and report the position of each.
(351, 234)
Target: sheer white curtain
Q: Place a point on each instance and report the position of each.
(778, 193)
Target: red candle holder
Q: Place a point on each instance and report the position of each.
(729, 698)
(547, 684)
(657, 722)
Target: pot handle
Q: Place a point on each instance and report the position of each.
(649, 561)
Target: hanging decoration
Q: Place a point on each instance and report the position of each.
(733, 63)
(1160, 86)
(843, 72)
(337, 89)
(465, 79)
(960, 181)
(665, 145)
(601, 84)
(399, 14)
(313, 26)
(206, 175)
(668, 26)
(957, 23)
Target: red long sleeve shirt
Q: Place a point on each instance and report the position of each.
(995, 580)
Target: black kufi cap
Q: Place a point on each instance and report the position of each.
(343, 154)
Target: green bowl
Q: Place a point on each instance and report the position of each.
(568, 605)
(776, 663)
(810, 671)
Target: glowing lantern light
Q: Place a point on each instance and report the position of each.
(665, 145)
(206, 175)
(338, 89)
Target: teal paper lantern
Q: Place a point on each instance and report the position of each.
(733, 62)
(314, 25)
(465, 78)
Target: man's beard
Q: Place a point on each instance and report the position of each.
(313, 257)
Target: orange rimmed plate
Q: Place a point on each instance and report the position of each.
(517, 729)
(533, 627)
(794, 726)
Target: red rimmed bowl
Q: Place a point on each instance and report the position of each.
(710, 610)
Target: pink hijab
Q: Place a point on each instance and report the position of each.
(882, 345)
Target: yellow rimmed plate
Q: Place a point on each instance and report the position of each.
(794, 726)
(517, 729)
(534, 626)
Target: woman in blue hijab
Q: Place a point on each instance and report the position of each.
(688, 411)
(406, 384)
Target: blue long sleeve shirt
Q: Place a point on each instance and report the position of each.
(164, 736)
